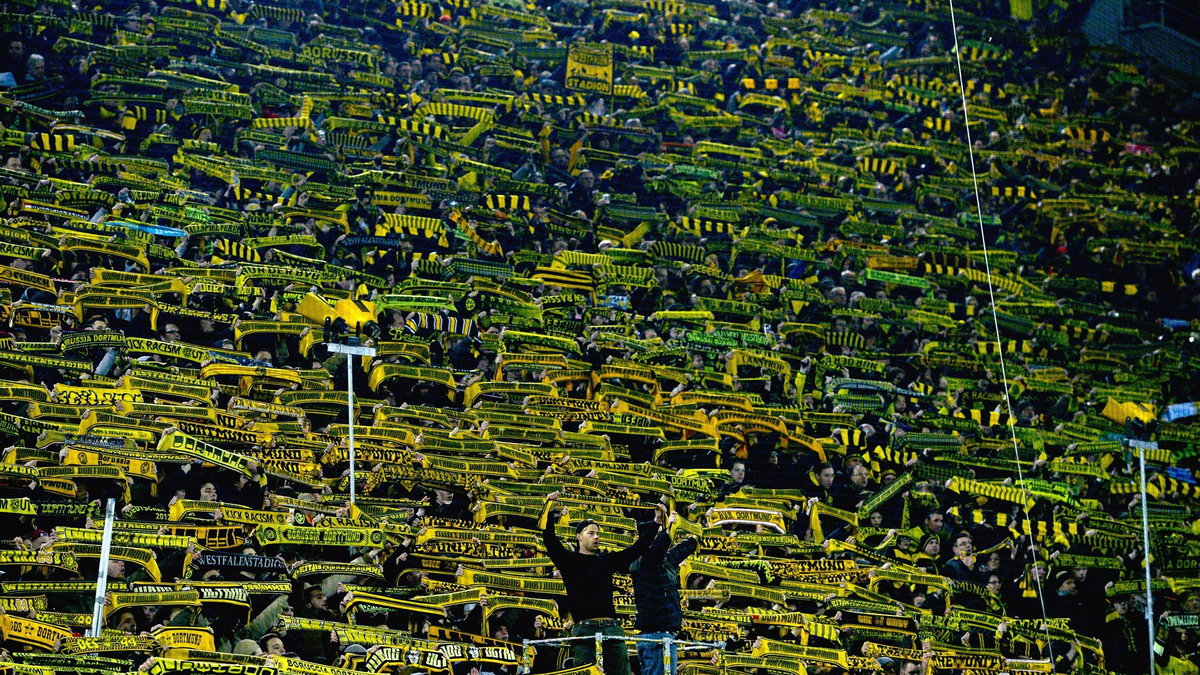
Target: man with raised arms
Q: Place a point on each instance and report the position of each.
(587, 572)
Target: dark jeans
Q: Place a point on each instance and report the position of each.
(583, 652)
(650, 655)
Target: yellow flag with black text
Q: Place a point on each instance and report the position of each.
(590, 67)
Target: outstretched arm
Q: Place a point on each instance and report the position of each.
(554, 548)
(653, 556)
(621, 560)
(679, 552)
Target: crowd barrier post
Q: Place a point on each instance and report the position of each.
(668, 644)
(102, 576)
(599, 638)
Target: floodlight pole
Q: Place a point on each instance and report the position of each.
(350, 351)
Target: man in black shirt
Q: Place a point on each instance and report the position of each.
(588, 575)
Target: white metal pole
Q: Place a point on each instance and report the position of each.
(350, 414)
(1142, 446)
(351, 351)
(102, 577)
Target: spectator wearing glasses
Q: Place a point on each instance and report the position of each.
(963, 566)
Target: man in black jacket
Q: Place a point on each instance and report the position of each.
(588, 575)
(656, 594)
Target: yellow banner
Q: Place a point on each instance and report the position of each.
(32, 632)
(185, 638)
(590, 68)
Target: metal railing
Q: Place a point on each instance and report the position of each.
(599, 638)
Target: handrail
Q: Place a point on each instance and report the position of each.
(667, 642)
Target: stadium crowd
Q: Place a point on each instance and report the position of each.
(726, 279)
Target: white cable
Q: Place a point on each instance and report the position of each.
(987, 266)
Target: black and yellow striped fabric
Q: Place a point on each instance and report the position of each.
(773, 83)
(561, 100)
(844, 339)
(53, 142)
(938, 124)
(508, 202)
(1013, 192)
(703, 227)
(1089, 136)
(882, 165)
(421, 322)
(418, 10)
(669, 250)
(228, 249)
(292, 14)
